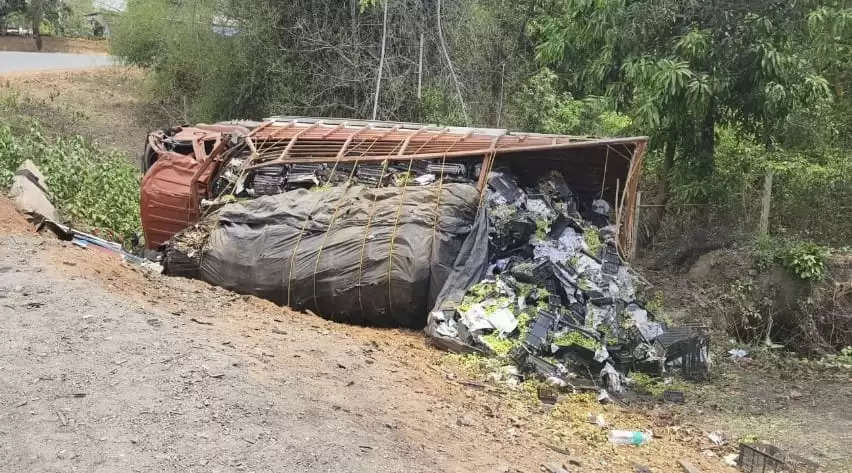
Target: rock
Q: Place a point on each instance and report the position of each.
(29, 193)
(553, 468)
(688, 467)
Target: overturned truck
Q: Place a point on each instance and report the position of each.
(494, 241)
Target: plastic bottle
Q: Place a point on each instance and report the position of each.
(628, 437)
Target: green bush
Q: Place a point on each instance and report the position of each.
(95, 188)
(806, 260)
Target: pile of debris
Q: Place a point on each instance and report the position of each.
(556, 298)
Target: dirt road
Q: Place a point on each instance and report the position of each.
(13, 61)
(100, 372)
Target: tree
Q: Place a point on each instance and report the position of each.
(682, 67)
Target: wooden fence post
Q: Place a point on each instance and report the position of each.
(634, 235)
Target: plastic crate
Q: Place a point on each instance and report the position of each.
(764, 458)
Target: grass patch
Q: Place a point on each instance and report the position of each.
(577, 338)
(501, 345)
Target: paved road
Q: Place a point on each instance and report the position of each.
(13, 61)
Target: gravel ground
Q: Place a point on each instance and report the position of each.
(93, 380)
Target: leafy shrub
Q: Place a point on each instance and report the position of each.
(806, 260)
(97, 188)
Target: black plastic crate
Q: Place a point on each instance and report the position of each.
(764, 458)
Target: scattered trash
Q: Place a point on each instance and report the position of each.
(761, 457)
(202, 322)
(556, 298)
(718, 438)
(629, 437)
(597, 419)
(737, 353)
(731, 459)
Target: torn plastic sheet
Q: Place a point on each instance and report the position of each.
(601, 354)
(478, 320)
(503, 320)
(569, 289)
(639, 316)
(425, 179)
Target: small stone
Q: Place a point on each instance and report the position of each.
(464, 421)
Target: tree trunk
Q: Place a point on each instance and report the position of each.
(450, 64)
(381, 61)
(36, 13)
(658, 211)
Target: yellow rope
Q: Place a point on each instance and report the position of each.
(437, 207)
(308, 218)
(366, 233)
(328, 231)
(395, 227)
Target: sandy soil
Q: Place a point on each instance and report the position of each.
(54, 45)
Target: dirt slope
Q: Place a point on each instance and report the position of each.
(105, 105)
(106, 367)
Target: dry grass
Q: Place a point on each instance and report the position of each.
(106, 105)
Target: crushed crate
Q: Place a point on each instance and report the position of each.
(548, 394)
(764, 458)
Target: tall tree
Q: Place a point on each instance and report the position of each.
(683, 66)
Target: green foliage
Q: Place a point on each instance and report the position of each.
(806, 260)
(440, 108)
(576, 338)
(645, 383)
(499, 344)
(592, 237)
(656, 303)
(540, 106)
(841, 359)
(95, 188)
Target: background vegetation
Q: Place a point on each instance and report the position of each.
(727, 90)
